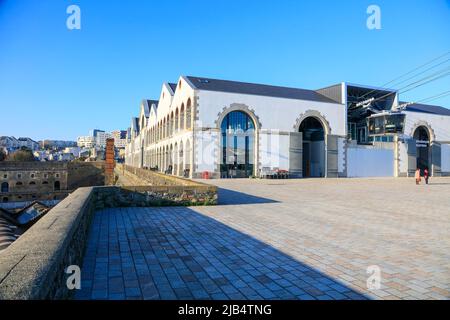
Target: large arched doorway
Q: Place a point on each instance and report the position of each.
(187, 162)
(181, 160)
(313, 160)
(142, 156)
(175, 160)
(237, 145)
(423, 153)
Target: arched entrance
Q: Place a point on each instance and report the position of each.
(181, 160)
(423, 154)
(56, 186)
(237, 145)
(175, 159)
(141, 160)
(187, 165)
(313, 160)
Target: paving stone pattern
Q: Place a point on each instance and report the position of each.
(278, 239)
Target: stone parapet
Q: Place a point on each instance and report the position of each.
(33, 267)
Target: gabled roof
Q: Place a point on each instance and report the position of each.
(135, 124)
(172, 86)
(146, 107)
(257, 89)
(155, 102)
(426, 108)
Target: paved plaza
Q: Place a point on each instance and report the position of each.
(278, 239)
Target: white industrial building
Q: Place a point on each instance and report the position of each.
(230, 129)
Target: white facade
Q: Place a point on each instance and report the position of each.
(183, 130)
(286, 130)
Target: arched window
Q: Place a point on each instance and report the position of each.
(32, 183)
(19, 183)
(164, 127)
(238, 139)
(171, 124)
(57, 186)
(188, 114)
(167, 132)
(182, 117)
(177, 120)
(5, 187)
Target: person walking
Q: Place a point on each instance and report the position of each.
(417, 176)
(426, 175)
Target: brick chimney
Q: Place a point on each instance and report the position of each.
(110, 162)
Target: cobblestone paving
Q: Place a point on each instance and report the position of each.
(278, 239)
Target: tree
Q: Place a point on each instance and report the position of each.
(2, 155)
(22, 155)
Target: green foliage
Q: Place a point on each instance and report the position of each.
(22, 155)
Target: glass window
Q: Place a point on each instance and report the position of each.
(237, 145)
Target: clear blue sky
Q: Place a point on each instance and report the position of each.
(56, 83)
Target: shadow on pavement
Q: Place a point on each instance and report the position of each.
(230, 197)
(178, 253)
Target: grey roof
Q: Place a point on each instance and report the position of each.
(172, 86)
(150, 102)
(257, 89)
(426, 108)
(7, 234)
(135, 124)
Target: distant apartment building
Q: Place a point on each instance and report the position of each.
(95, 132)
(100, 139)
(9, 143)
(86, 142)
(28, 143)
(120, 138)
(97, 138)
(12, 143)
(58, 144)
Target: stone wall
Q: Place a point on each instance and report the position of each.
(155, 196)
(28, 181)
(85, 174)
(33, 267)
(155, 178)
